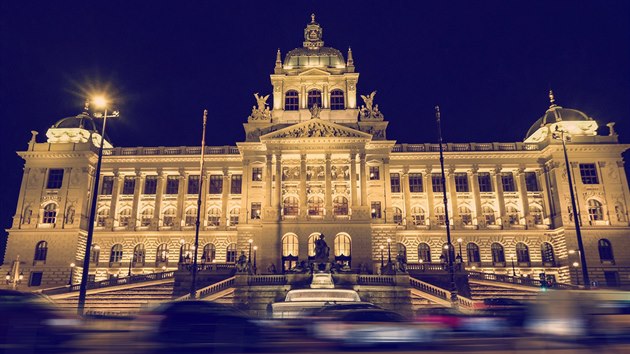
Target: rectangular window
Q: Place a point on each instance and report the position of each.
(55, 177)
(436, 181)
(256, 210)
(531, 182)
(507, 180)
(216, 184)
(257, 173)
(395, 182)
(588, 172)
(612, 278)
(485, 182)
(108, 185)
(150, 185)
(461, 182)
(374, 173)
(415, 182)
(129, 184)
(376, 210)
(236, 184)
(172, 184)
(193, 184)
(36, 279)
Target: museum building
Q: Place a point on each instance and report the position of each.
(316, 161)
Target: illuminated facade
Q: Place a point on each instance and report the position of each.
(315, 161)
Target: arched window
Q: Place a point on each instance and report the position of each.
(41, 251)
(343, 245)
(139, 253)
(537, 214)
(418, 216)
(185, 253)
(50, 213)
(595, 210)
(340, 205)
(214, 216)
(465, 214)
(146, 216)
(230, 253)
(161, 256)
(314, 97)
(401, 249)
(95, 254)
(101, 217)
(124, 217)
(209, 253)
(315, 206)
(191, 216)
(116, 254)
(620, 213)
(234, 215)
(512, 215)
(398, 216)
(168, 218)
(498, 255)
(290, 245)
(440, 215)
(336, 100)
(290, 206)
(472, 250)
(488, 215)
(27, 215)
(291, 101)
(605, 251)
(546, 253)
(522, 253)
(311, 244)
(424, 252)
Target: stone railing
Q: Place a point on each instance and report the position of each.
(430, 289)
(279, 279)
(210, 289)
(141, 278)
(456, 147)
(506, 279)
(376, 280)
(208, 266)
(177, 150)
(427, 267)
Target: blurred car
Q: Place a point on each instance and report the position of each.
(31, 320)
(181, 325)
(370, 327)
(513, 311)
(448, 319)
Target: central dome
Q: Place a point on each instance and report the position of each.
(313, 54)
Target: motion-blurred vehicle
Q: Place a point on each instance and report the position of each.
(370, 327)
(29, 320)
(182, 325)
(447, 319)
(512, 311)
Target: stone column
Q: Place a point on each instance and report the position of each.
(473, 177)
(325, 97)
(115, 192)
(428, 185)
(452, 193)
(278, 198)
(498, 187)
(404, 184)
(303, 195)
(247, 175)
(328, 189)
(542, 176)
(181, 195)
(353, 179)
(268, 179)
(158, 198)
(136, 198)
(225, 195)
(362, 171)
(522, 191)
(304, 98)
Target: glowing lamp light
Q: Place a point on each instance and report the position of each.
(576, 264)
(8, 277)
(389, 240)
(445, 247)
(381, 247)
(21, 276)
(99, 101)
(255, 248)
(250, 241)
(460, 240)
(163, 267)
(571, 251)
(72, 265)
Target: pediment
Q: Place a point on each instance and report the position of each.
(316, 128)
(314, 72)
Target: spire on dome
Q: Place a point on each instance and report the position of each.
(278, 59)
(350, 59)
(312, 18)
(552, 99)
(313, 35)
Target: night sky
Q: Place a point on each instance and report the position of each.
(489, 64)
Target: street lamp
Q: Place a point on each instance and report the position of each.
(72, 265)
(15, 275)
(382, 264)
(249, 256)
(389, 251)
(254, 268)
(513, 269)
(99, 102)
(460, 256)
(577, 274)
(559, 134)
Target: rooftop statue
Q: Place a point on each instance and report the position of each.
(369, 100)
(261, 111)
(315, 110)
(261, 101)
(370, 111)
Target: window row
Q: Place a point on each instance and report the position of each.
(462, 182)
(315, 206)
(186, 253)
(172, 185)
(168, 217)
(314, 97)
(342, 245)
(473, 254)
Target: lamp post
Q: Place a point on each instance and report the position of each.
(193, 284)
(72, 265)
(249, 256)
(451, 251)
(99, 102)
(577, 273)
(389, 251)
(513, 269)
(382, 264)
(14, 277)
(254, 268)
(459, 241)
(130, 262)
(559, 134)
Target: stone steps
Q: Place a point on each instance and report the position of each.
(484, 291)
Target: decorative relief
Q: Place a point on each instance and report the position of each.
(316, 129)
(340, 172)
(291, 173)
(613, 174)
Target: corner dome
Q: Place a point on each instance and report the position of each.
(76, 129)
(571, 120)
(313, 54)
